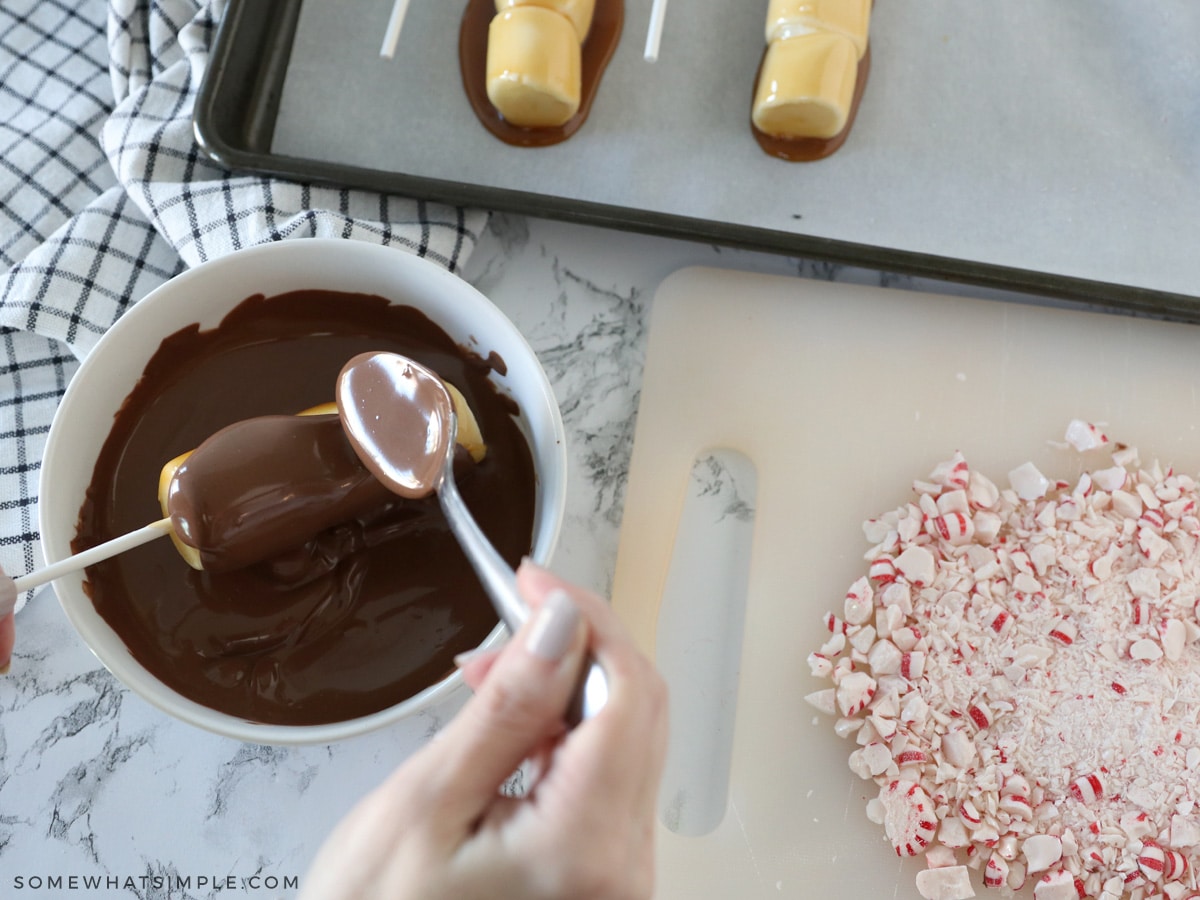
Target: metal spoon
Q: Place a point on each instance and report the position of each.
(400, 419)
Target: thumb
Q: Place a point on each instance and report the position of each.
(519, 705)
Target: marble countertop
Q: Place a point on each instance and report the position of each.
(102, 795)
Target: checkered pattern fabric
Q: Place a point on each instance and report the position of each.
(104, 194)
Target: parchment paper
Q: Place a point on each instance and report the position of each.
(1055, 137)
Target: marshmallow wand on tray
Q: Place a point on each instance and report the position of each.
(391, 35)
(535, 60)
(806, 86)
(1018, 669)
(658, 14)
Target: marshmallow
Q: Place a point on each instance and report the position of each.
(534, 66)
(806, 86)
(794, 18)
(579, 12)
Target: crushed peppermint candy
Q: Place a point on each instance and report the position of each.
(1020, 669)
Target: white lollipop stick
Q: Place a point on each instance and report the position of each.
(654, 37)
(93, 555)
(392, 36)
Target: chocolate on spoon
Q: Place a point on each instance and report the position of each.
(402, 423)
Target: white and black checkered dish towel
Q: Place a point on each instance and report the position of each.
(104, 195)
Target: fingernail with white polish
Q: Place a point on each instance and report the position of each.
(461, 659)
(553, 626)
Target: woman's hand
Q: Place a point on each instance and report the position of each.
(439, 827)
(8, 604)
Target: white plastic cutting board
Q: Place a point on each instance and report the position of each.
(843, 395)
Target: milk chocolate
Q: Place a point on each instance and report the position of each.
(264, 486)
(398, 414)
(355, 620)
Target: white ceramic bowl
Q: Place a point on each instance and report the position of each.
(204, 295)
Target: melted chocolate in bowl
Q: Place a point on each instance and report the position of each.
(361, 617)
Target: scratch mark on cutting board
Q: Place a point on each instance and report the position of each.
(749, 846)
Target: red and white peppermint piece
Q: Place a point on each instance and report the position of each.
(1057, 885)
(1017, 805)
(854, 692)
(909, 820)
(995, 873)
(1111, 479)
(998, 619)
(1175, 865)
(953, 834)
(980, 714)
(982, 492)
(956, 528)
(1088, 788)
(958, 748)
(1172, 633)
(824, 701)
(1153, 546)
(1042, 851)
(1136, 824)
(940, 856)
(1064, 631)
(1139, 611)
(946, 883)
(1152, 861)
(912, 664)
(860, 602)
(884, 658)
(1152, 518)
(917, 565)
(952, 473)
(1028, 482)
(911, 756)
(1145, 650)
(819, 665)
(882, 570)
(969, 814)
(1179, 509)
(1084, 436)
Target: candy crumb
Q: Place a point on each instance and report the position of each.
(947, 883)
(1018, 670)
(1084, 436)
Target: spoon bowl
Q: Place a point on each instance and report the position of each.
(400, 419)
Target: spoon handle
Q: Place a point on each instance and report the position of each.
(497, 576)
(500, 583)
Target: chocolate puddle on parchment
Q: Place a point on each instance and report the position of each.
(601, 43)
(329, 633)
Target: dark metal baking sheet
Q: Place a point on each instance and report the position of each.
(1085, 189)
